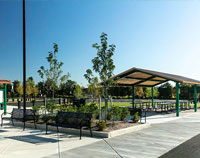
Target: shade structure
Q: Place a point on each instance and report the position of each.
(5, 81)
(149, 78)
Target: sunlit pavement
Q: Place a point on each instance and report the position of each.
(31, 143)
(165, 133)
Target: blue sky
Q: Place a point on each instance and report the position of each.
(156, 35)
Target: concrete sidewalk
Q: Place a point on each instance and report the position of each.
(147, 143)
(165, 133)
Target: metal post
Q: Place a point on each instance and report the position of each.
(195, 98)
(133, 97)
(152, 96)
(177, 99)
(24, 60)
(5, 99)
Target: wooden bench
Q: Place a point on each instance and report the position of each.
(71, 120)
(18, 115)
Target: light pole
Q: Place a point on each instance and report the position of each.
(24, 61)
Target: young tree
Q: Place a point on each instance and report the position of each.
(104, 66)
(53, 74)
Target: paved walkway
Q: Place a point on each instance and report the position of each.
(147, 143)
(165, 133)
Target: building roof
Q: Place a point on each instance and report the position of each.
(148, 78)
(5, 81)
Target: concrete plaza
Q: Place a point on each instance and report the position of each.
(165, 133)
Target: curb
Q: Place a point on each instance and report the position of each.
(101, 134)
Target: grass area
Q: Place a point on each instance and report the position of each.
(130, 104)
(117, 104)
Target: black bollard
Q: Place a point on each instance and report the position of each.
(19, 104)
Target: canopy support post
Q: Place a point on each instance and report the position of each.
(5, 99)
(152, 96)
(177, 99)
(133, 97)
(195, 98)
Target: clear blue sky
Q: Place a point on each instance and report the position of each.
(156, 35)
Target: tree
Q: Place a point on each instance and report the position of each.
(68, 87)
(104, 66)
(147, 92)
(15, 83)
(156, 92)
(53, 74)
(35, 91)
(139, 92)
(77, 92)
(165, 91)
(31, 89)
(19, 89)
(93, 84)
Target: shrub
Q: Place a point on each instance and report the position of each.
(124, 113)
(109, 115)
(101, 125)
(116, 112)
(37, 112)
(50, 107)
(70, 109)
(135, 117)
(89, 108)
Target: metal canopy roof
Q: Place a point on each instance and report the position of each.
(149, 78)
(5, 81)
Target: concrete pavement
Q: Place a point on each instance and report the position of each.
(147, 143)
(165, 133)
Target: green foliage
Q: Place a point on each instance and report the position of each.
(93, 84)
(19, 88)
(135, 117)
(88, 108)
(165, 91)
(31, 89)
(116, 112)
(37, 109)
(104, 66)
(77, 91)
(70, 88)
(71, 109)
(101, 125)
(125, 112)
(139, 92)
(50, 107)
(147, 92)
(54, 73)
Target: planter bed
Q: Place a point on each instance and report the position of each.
(120, 129)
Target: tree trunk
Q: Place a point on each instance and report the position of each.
(106, 103)
(99, 108)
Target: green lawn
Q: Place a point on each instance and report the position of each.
(129, 104)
